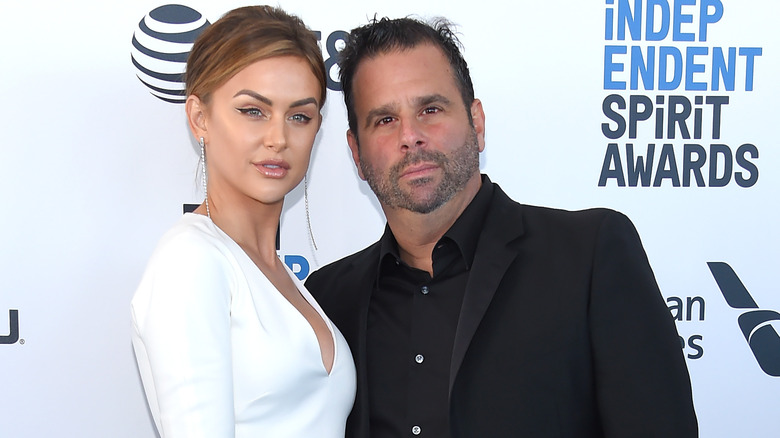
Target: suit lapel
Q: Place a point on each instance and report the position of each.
(365, 286)
(494, 254)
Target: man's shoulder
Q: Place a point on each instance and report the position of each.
(506, 208)
(594, 214)
(576, 230)
(501, 200)
(554, 226)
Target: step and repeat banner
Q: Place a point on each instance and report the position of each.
(663, 109)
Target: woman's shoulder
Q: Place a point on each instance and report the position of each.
(192, 232)
(193, 243)
(191, 275)
(190, 259)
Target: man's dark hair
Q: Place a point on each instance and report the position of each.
(384, 35)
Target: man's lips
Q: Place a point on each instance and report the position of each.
(420, 169)
(272, 168)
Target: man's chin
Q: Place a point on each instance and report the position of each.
(424, 203)
(422, 182)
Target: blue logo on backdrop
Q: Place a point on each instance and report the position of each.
(161, 44)
(758, 326)
(655, 52)
(13, 330)
(298, 264)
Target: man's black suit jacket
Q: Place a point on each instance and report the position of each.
(562, 333)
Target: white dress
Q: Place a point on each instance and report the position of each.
(222, 353)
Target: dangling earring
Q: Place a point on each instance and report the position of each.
(306, 206)
(202, 143)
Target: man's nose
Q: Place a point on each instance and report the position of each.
(411, 133)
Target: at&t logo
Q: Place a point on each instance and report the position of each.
(163, 40)
(161, 44)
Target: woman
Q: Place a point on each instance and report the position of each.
(228, 342)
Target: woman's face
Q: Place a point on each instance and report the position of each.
(259, 130)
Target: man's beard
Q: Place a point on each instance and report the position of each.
(458, 167)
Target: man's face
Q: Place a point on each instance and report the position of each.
(415, 146)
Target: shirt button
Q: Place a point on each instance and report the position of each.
(416, 430)
(424, 290)
(419, 358)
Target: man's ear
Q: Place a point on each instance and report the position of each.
(352, 141)
(196, 116)
(478, 119)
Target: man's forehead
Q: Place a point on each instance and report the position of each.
(422, 57)
(402, 76)
(404, 50)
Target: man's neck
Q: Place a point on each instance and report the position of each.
(418, 233)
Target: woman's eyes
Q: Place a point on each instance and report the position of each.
(257, 113)
(300, 118)
(251, 111)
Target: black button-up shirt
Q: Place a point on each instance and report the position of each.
(411, 329)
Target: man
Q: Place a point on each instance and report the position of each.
(475, 316)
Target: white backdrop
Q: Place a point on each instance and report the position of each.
(94, 169)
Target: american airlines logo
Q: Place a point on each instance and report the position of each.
(759, 326)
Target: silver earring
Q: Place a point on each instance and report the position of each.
(306, 206)
(202, 143)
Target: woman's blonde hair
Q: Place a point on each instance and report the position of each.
(244, 36)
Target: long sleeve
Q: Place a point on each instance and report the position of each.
(643, 387)
(181, 318)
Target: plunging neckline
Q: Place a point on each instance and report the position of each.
(300, 288)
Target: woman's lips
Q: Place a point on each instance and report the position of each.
(272, 168)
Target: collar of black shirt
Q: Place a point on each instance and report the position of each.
(464, 233)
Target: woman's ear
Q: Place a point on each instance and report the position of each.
(196, 116)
